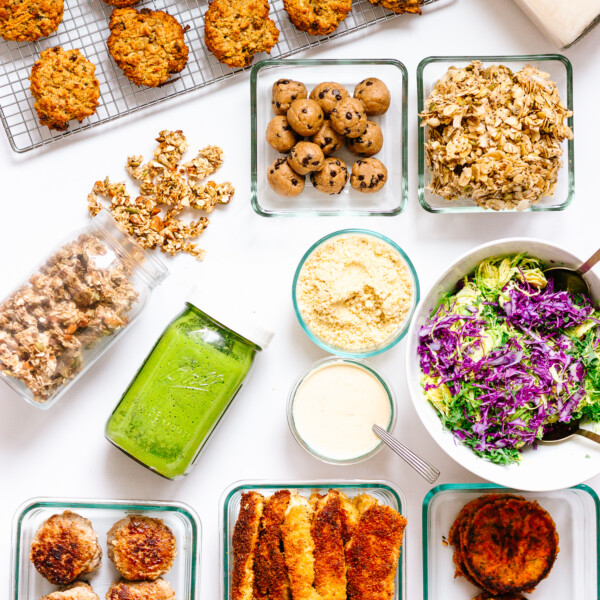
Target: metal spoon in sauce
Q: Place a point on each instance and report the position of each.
(563, 431)
(571, 280)
(420, 465)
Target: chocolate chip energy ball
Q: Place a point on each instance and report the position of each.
(285, 91)
(280, 134)
(306, 157)
(368, 175)
(367, 143)
(305, 117)
(283, 180)
(332, 178)
(348, 117)
(374, 94)
(327, 94)
(328, 139)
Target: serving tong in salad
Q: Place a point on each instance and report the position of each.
(563, 431)
(420, 465)
(571, 280)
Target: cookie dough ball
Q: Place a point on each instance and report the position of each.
(283, 180)
(285, 91)
(280, 134)
(76, 591)
(328, 139)
(367, 143)
(374, 94)
(305, 116)
(328, 94)
(306, 157)
(368, 175)
(348, 117)
(332, 178)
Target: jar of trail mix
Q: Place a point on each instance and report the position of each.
(72, 308)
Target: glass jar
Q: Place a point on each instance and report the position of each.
(182, 391)
(72, 308)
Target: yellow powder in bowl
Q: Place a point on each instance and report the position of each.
(354, 291)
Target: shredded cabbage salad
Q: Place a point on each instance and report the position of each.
(505, 357)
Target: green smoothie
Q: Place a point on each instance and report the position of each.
(180, 393)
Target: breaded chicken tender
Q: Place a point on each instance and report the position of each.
(141, 590)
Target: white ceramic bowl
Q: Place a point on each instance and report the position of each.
(549, 467)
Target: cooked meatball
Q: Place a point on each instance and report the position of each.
(140, 590)
(141, 547)
(64, 548)
(75, 591)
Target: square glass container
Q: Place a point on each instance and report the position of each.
(575, 512)
(431, 69)
(391, 199)
(384, 491)
(28, 584)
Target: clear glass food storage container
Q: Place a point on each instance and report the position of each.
(432, 68)
(575, 512)
(184, 575)
(72, 308)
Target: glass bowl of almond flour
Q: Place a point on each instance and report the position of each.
(355, 292)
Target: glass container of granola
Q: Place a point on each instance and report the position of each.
(183, 389)
(72, 308)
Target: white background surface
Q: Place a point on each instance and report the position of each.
(63, 452)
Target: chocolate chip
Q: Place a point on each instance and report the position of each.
(278, 104)
(380, 176)
(361, 177)
(362, 184)
(294, 181)
(328, 140)
(315, 162)
(330, 182)
(294, 96)
(304, 110)
(332, 173)
(337, 162)
(272, 171)
(348, 115)
(347, 130)
(305, 161)
(320, 116)
(321, 95)
(283, 82)
(369, 83)
(287, 128)
(334, 110)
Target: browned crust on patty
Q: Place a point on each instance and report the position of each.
(64, 548)
(236, 30)
(64, 86)
(141, 590)
(147, 45)
(399, 6)
(29, 20)
(372, 554)
(317, 17)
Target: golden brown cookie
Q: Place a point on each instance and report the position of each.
(29, 20)
(147, 45)
(235, 30)
(317, 17)
(399, 6)
(64, 86)
(121, 3)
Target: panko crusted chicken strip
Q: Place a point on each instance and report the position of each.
(299, 548)
(270, 576)
(245, 538)
(372, 554)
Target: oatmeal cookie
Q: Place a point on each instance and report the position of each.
(64, 87)
(121, 3)
(147, 45)
(317, 17)
(399, 6)
(29, 20)
(235, 30)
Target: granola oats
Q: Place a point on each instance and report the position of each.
(71, 303)
(167, 188)
(495, 136)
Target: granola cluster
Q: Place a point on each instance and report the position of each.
(82, 294)
(495, 136)
(166, 190)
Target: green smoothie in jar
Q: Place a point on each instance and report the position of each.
(181, 392)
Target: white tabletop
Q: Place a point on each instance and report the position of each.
(63, 452)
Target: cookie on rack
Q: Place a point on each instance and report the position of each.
(317, 17)
(148, 45)
(399, 6)
(64, 86)
(236, 30)
(121, 3)
(29, 20)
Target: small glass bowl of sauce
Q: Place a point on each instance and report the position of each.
(334, 404)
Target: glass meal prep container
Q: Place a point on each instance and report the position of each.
(27, 584)
(384, 491)
(575, 511)
(391, 199)
(182, 390)
(432, 68)
(73, 308)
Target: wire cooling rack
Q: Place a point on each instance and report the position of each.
(85, 26)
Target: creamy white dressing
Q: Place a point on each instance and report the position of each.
(561, 20)
(335, 407)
